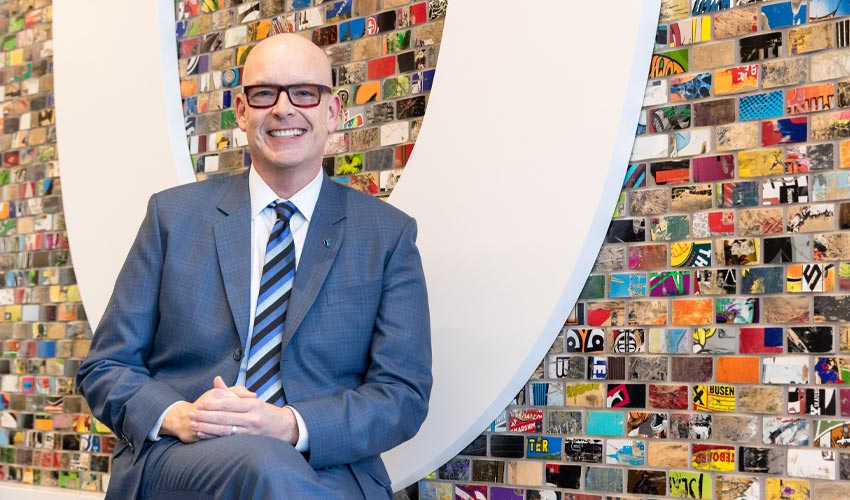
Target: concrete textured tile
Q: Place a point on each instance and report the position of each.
(833, 246)
(524, 473)
(809, 38)
(767, 400)
(830, 126)
(367, 48)
(366, 138)
(673, 10)
(717, 112)
(604, 479)
(830, 65)
(691, 369)
(648, 369)
(610, 258)
(735, 22)
(712, 55)
(736, 136)
(428, 34)
(758, 221)
(647, 312)
(379, 159)
(735, 428)
(691, 198)
(790, 72)
(649, 201)
(827, 490)
(667, 455)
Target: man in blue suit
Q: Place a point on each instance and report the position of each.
(171, 364)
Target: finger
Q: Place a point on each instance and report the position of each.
(242, 392)
(218, 430)
(231, 404)
(218, 383)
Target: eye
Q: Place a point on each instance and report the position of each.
(306, 92)
(262, 93)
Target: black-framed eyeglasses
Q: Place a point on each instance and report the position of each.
(302, 95)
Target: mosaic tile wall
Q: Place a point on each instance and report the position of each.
(47, 435)
(711, 344)
(707, 355)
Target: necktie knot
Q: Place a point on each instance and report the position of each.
(284, 209)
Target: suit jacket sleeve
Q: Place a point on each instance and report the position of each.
(390, 405)
(114, 378)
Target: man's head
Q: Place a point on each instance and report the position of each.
(287, 141)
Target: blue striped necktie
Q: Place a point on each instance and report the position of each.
(263, 375)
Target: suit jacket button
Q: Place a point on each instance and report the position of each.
(237, 354)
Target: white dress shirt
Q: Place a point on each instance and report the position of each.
(262, 222)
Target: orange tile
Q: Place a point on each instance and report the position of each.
(693, 312)
(844, 154)
(738, 369)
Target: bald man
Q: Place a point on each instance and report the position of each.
(268, 336)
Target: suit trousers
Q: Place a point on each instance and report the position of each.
(240, 467)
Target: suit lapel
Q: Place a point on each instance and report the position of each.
(320, 249)
(233, 245)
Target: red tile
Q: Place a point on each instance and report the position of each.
(381, 67)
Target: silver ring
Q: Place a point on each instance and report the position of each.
(232, 430)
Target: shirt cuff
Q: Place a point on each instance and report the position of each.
(303, 444)
(153, 435)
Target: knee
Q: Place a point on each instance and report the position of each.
(259, 457)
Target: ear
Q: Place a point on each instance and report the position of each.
(241, 111)
(334, 106)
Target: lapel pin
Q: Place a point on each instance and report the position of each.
(327, 243)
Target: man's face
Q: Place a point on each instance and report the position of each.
(286, 137)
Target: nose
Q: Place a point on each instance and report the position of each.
(282, 107)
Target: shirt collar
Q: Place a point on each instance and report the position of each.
(262, 195)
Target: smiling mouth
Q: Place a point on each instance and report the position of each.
(292, 132)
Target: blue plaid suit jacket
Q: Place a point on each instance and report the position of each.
(356, 362)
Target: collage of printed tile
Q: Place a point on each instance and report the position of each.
(47, 434)
(708, 352)
(383, 54)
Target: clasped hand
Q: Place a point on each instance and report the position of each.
(222, 410)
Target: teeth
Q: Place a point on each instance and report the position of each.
(286, 133)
